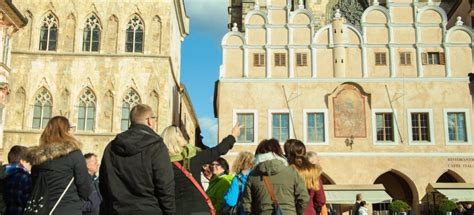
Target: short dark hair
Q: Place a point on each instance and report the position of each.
(363, 203)
(224, 164)
(271, 145)
(89, 155)
(17, 153)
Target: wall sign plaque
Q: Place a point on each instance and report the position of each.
(349, 113)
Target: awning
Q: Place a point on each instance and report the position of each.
(454, 191)
(346, 194)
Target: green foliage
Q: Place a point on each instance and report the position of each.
(446, 205)
(398, 206)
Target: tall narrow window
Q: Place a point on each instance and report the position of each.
(384, 123)
(128, 102)
(247, 132)
(420, 127)
(48, 33)
(42, 109)
(380, 58)
(91, 39)
(405, 58)
(258, 59)
(301, 59)
(315, 128)
(280, 59)
(134, 40)
(280, 126)
(457, 127)
(86, 114)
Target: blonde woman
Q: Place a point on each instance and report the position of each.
(187, 158)
(241, 167)
(295, 152)
(58, 160)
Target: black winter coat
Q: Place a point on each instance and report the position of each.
(61, 162)
(188, 198)
(136, 176)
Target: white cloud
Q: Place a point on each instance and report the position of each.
(209, 130)
(208, 15)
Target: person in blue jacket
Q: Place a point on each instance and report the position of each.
(241, 167)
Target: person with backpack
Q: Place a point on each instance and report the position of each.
(60, 179)
(241, 167)
(17, 181)
(273, 187)
(187, 161)
(295, 152)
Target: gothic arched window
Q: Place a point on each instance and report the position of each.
(128, 102)
(48, 33)
(86, 113)
(42, 109)
(134, 40)
(91, 39)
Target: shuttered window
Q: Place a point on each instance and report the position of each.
(433, 58)
(405, 58)
(280, 59)
(301, 59)
(258, 59)
(380, 58)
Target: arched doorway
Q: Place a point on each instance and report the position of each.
(450, 177)
(399, 187)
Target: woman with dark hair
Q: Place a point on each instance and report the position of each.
(220, 182)
(295, 152)
(58, 160)
(283, 182)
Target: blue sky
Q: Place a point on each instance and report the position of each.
(201, 58)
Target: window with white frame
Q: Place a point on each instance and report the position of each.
(420, 126)
(128, 102)
(457, 127)
(91, 39)
(384, 125)
(42, 109)
(134, 38)
(247, 131)
(86, 113)
(280, 126)
(315, 129)
(48, 33)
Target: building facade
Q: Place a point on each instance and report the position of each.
(387, 103)
(11, 20)
(92, 61)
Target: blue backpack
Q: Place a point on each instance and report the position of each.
(237, 209)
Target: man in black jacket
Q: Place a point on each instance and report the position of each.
(136, 176)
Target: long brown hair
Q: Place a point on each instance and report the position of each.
(57, 132)
(295, 152)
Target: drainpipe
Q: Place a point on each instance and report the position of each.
(471, 88)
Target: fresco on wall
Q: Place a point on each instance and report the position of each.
(349, 113)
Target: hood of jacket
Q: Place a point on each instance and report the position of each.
(40, 154)
(269, 163)
(14, 168)
(134, 140)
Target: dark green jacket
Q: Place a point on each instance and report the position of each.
(288, 186)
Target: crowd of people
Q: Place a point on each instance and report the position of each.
(143, 173)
